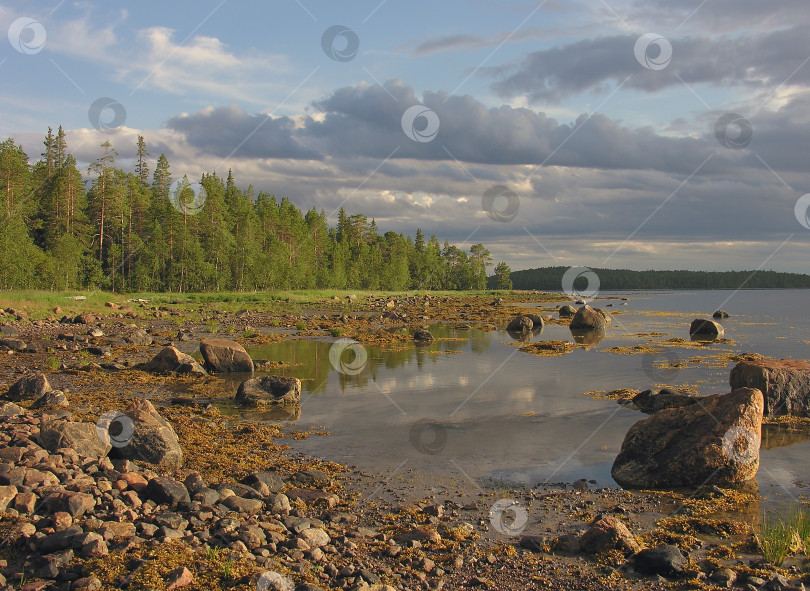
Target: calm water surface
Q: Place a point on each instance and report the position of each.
(475, 406)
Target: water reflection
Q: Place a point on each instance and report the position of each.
(587, 337)
(524, 336)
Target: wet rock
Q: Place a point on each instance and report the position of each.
(720, 314)
(724, 577)
(608, 533)
(269, 390)
(152, 437)
(521, 324)
(717, 440)
(567, 311)
(650, 403)
(785, 384)
(589, 318)
(706, 328)
(222, 355)
(167, 491)
(171, 360)
(423, 337)
(666, 560)
(80, 437)
(30, 387)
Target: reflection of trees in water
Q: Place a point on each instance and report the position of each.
(782, 435)
(309, 361)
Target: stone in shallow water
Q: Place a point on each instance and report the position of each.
(716, 441)
(222, 355)
(269, 390)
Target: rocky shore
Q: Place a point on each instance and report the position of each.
(189, 500)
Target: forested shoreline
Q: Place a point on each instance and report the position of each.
(550, 279)
(141, 231)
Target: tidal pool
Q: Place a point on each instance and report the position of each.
(473, 406)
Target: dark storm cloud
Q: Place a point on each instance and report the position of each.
(226, 131)
(754, 60)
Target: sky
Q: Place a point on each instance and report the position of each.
(607, 133)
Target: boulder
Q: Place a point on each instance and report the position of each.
(222, 355)
(785, 384)
(521, 324)
(650, 403)
(151, 437)
(706, 328)
(171, 360)
(666, 560)
(167, 491)
(80, 437)
(53, 398)
(30, 387)
(9, 409)
(608, 533)
(12, 344)
(84, 319)
(720, 314)
(567, 311)
(269, 390)
(423, 337)
(589, 318)
(716, 441)
(537, 321)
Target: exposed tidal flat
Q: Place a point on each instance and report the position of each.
(465, 461)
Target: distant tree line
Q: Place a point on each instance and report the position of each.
(139, 230)
(550, 279)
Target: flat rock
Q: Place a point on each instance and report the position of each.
(715, 441)
(785, 384)
(9, 409)
(649, 402)
(13, 344)
(269, 390)
(222, 355)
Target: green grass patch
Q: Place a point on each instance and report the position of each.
(781, 536)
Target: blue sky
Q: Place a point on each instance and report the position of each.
(609, 161)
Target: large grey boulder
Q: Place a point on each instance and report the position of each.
(80, 437)
(269, 390)
(222, 355)
(145, 435)
(716, 441)
(588, 318)
(785, 384)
